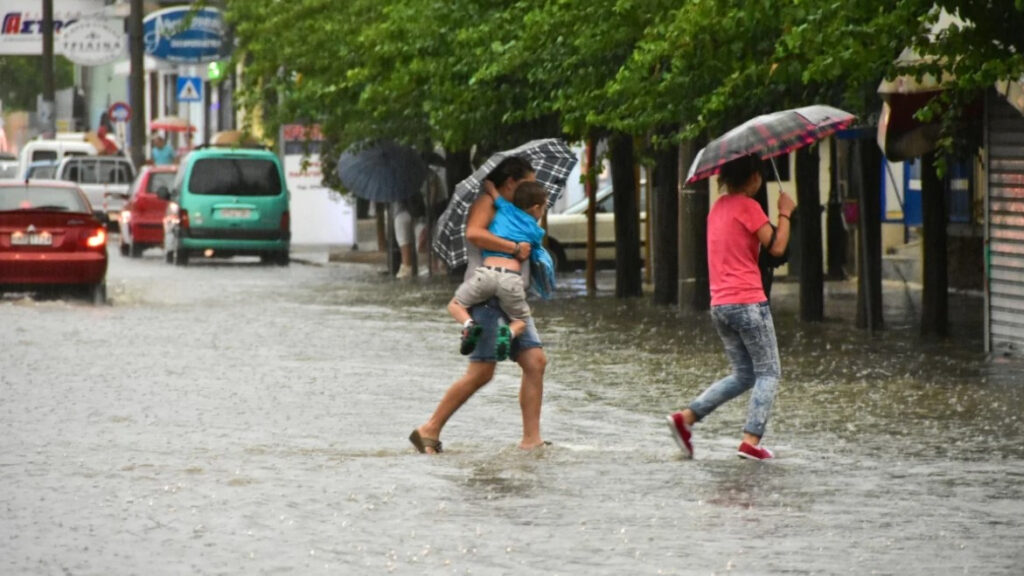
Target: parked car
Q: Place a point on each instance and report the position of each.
(567, 232)
(50, 240)
(105, 181)
(41, 170)
(66, 145)
(142, 219)
(228, 202)
(8, 166)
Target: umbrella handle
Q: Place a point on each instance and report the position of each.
(778, 179)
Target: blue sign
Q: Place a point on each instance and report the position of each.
(186, 36)
(190, 89)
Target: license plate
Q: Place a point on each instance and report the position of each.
(235, 213)
(22, 239)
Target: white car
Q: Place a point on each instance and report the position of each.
(105, 181)
(567, 232)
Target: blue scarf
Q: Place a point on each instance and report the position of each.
(512, 223)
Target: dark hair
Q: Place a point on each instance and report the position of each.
(737, 171)
(529, 193)
(512, 167)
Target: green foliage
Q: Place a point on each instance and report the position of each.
(22, 80)
(490, 73)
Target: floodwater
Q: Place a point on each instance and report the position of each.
(237, 419)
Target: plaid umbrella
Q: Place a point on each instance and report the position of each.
(552, 160)
(769, 135)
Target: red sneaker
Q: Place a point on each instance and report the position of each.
(751, 452)
(681, 433)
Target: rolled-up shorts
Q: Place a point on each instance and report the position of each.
(489, 316)
(506, 286)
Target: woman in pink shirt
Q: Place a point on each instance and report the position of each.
(737, 228)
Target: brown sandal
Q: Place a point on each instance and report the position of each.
(422, 443)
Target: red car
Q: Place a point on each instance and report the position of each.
(142, 220)
(50, 240)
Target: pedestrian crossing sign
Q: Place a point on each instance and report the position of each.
(190, 89)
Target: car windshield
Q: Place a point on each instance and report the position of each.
(235, 177)
(8, 170)
(158, 180)
(13, 198)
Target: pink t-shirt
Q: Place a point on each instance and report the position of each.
(733, 249)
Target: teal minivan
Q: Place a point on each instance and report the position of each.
(228, 202)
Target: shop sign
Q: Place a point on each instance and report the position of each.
(185, 35)
(93, 42)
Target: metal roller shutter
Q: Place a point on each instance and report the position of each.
(1005, 218)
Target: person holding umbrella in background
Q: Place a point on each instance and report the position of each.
(737, 228)
(162, 152)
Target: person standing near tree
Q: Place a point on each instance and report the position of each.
(737, 228)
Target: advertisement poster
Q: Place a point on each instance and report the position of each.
(319, 215)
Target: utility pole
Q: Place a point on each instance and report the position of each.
(137, 90)
(47, 109)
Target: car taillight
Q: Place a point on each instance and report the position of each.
(98, 238)
(183, 219)
(285, 222)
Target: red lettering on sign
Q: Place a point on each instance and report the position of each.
(12, 23)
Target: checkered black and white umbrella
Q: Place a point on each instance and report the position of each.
(552, 160)
(769, 135)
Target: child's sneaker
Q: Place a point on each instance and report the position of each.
(503, 343)
(751, 452)
(681, 433)
(470, 336)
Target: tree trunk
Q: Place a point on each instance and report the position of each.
(836, 253)
(935, 295)
(869, 250)
(628, 280)
(457, 168)
(694, 292)
(665, 220)
(812, 277)
(590, 186)
(137, 90)
(48, 107)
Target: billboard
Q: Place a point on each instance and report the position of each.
(21, 30)
(186, 36)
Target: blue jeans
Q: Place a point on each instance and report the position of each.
(489, 316)
(748, 333)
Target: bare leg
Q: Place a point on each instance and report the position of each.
(689, 417)
(477, 375)
(533, 361)
(516, 327)
(459, 312)
(406, 250)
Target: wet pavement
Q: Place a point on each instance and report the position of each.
(229, 418)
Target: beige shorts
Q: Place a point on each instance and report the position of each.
(487, 282)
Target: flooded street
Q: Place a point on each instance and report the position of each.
(229, 418)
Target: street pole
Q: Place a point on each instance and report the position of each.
(137, 90)
(46, 110)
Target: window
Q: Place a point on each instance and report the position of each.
(235, 177)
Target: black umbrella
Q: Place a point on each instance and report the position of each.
(382, 172)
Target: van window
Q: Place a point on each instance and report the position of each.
(38, 155)
(235, 177)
